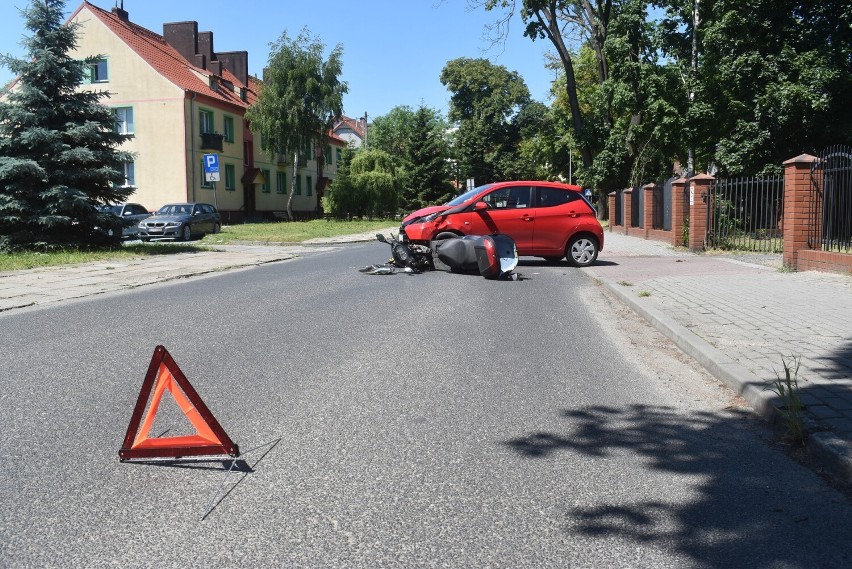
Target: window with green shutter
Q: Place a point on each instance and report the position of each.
(205, 121)
(229, 129)
(266, 182)
(98, 71)
(124, 120)
(230, 177)
(204, 183)
(281, 182)
(328, 155)
(309, 186)
(298, 186)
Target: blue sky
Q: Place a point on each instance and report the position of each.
(393, 50)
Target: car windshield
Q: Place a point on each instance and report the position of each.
(175, 209)
(113, 209)
(467, 195)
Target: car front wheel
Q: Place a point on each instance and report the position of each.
(217, 228)
(582, 251)
(445, 235)
(186, 233)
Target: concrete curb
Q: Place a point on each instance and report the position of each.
(833, 453)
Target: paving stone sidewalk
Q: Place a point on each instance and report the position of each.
(741, 317)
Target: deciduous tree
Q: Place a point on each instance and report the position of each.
(484, 98)
(300, 96)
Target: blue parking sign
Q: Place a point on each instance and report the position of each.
(211, 167)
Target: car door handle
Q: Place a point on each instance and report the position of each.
(573, 214)
(527, 217)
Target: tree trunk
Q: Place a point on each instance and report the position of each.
(690, 160)
(550, 24)
(292, 186)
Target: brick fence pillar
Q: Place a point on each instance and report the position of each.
(680, 211)
(700, 188)
(627, 209)
(797, 204)
(648, 209)
(611, 204)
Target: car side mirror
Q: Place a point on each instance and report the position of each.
(380, 237)
(480, 206)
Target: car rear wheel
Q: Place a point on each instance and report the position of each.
(582, 251)
(217, 228)
(186, 233)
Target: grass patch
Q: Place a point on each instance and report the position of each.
(644, 293)
(32, 259)
(281, 232)
(294, 231)
(792, 410)
(625, 283)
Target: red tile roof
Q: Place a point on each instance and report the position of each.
(170, 64)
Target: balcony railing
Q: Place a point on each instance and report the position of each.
(211, 141)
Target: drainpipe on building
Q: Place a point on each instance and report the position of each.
(192, 140)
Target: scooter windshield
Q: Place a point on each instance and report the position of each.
(508, 253)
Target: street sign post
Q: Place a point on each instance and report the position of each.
(211, 167)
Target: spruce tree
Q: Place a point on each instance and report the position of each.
(59, 148)
(428, 177)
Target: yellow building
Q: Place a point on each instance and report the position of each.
(180, 100)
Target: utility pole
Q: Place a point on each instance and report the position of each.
(365, 131)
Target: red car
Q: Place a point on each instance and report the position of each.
(546, 219)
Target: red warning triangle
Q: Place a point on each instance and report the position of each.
(165, 375)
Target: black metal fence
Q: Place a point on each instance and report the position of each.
(745, 214)
(830, 227)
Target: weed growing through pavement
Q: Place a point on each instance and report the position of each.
(645, 293)
(625, 283)
(791, 411)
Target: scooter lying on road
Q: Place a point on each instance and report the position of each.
(492, 256)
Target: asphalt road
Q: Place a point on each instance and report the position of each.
(430, 420)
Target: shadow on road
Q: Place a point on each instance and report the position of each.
(754, 508)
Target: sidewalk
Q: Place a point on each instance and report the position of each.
(20, 289)
(738, 316)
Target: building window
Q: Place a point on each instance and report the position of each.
(266, 182)
(339, 154)
(230, 177)
(204, 183)
(124, 120)
(328, 154)
(229, 129)
(298, 191)
(98, 72)
(281, 182)
(129, 170)
(205, 121)
(309, 183)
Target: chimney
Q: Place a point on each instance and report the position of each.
(205, 46)
(237, 63)
(183, 36)
(121, 13)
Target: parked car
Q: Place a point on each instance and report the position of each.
(546, 219)
(131, 213)
(181, 221)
